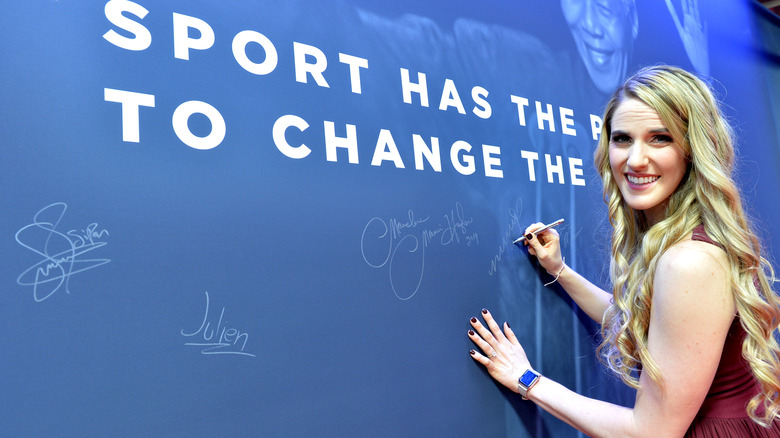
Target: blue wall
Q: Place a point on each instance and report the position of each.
(244, 237)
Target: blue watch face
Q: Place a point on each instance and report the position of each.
(527, 378)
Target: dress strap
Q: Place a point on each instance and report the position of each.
(700, 234)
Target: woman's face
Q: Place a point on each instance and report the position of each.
(647, 164)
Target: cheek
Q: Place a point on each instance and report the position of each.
(674, 164)
(682, 170)
(617, 34)
(616, 159)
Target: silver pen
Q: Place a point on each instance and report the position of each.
(554, 224)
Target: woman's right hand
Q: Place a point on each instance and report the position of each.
(546, 247)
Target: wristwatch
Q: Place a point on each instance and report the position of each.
(527, 381)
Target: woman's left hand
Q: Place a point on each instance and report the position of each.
(502, 355)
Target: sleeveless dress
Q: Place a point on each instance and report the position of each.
(723, 413)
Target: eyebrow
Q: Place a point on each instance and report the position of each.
(652, 131)
(660, 131)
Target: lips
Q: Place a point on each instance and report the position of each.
(641, 180)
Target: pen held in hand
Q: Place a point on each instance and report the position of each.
(535, 232)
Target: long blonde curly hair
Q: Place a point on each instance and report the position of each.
(706, 195)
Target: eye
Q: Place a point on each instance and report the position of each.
(605, 10)
(620, 139)
(662, 139)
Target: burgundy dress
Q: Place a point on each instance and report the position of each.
(723, 413)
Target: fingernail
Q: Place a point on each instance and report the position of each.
(473, 319)
(472, 352)
(471, 333)
(507, 325)
(484, 311)
(529, 236)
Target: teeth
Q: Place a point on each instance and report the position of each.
(641, 180)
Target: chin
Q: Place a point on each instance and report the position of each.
(605, 82)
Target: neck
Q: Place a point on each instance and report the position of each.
(655, 214)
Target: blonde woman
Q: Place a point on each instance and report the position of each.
(691, 321)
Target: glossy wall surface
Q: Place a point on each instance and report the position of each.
(255, 218)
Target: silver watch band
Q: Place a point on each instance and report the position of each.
(526, 382)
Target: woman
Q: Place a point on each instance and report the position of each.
(692, 318)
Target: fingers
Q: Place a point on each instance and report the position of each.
(488, 352)
(543, 237)
(673, 11)
(510, 334)
(489, 337)
(494, 328)
(545, 246)
(493, 331)
(482, 337)
(480, 358)
(529, 236)
(528, 233)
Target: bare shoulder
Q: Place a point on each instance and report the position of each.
(693, 255)
(694, 271)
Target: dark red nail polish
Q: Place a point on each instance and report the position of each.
(484, 311)
(529, 236)
(471, 333)
(472, 352)
(473, 319)
(507, 325)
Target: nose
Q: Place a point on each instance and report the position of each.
(591, 22)
(637, 156)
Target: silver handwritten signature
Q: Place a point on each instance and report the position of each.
(390, 236)
(512, 230)
(218, 338)
(60, 253)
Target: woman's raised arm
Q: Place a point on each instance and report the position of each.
(593, 300)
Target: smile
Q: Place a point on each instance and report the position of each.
(641, 180)
(599, 57)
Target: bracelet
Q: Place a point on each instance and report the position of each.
(558, 274)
